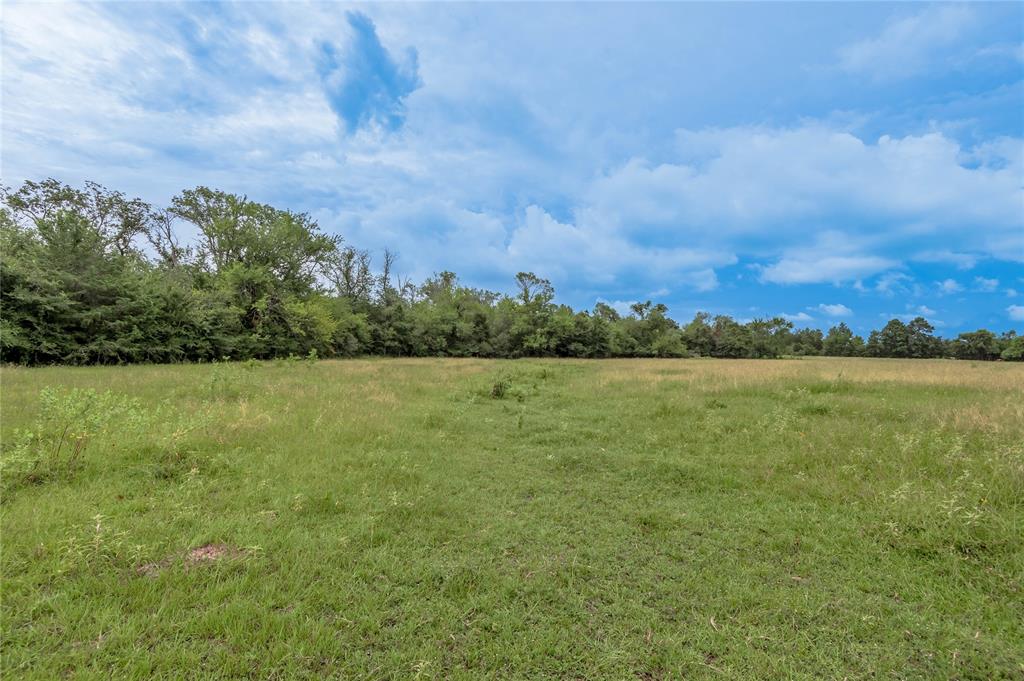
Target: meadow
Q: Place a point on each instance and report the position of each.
(466, 519)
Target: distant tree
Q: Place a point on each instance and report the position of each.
(730, 339)
(892, 341)
(236, 232)
(699, 336)
(88, 275)
(268, 263)
(808, 342)
(533, 290)
(770, 337)
(980, 344)
(115, 219)
(1012, 347)
(652, 333)
(163, 238)
(841, 342)
(349, 272)
(920, 341)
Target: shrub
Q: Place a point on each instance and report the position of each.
(501, 387)
(69, 420)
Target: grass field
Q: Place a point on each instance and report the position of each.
(816, 518)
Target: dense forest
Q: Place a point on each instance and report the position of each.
(91, 276)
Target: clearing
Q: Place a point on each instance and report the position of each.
(610, 519)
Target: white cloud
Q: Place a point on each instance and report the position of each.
(1012, 51)
(906, 45)
(963, 261)
(835, 269)
(950, 286)
(889, 283)
(1011, 293)
(836, 310)
(798, 317)
(448, 191)
(603, 253)
(745, 180)
(833, 258)
(1016, 312)
(924, 310)
(985, 285)
(431, 234)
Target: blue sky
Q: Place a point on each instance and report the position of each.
(829, 162)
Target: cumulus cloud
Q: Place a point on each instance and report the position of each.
(985, 285)
(603, 253)
(962, 261)
(489, 176)
(433, 234)
(834, 258)
(889, 284)
(741, 179)
(906, 45)
(365, 85)
(777, 185)
(1016, 312)
(807, 269)
(798, 317)
(950, 286)
(836, 310)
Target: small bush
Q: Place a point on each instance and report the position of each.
(69, 420)
(501, 387)
(228, 380)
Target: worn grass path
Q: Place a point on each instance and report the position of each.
(376, 519)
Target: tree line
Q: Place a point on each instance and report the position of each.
(91, 276)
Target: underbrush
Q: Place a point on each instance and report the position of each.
(77, 426)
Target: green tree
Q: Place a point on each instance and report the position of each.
(1012, 347)
(699, 336)
(920, 341)
(841, 342)
(808, 342)
(731, 339)
(980, 344)
(893, 340)
(770, 337)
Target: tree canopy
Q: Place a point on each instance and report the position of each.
(92, 276)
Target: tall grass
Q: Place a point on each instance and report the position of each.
(614, 519)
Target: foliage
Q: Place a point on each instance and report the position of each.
(54, 447)
(92, 277)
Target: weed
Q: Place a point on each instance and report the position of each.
(69, 421)
(500, 387)
(224, 380)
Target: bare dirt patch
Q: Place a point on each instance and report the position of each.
(201, 555)
(211, 553)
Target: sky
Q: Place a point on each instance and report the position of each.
(822, 161)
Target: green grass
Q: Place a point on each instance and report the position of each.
(609, 519)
